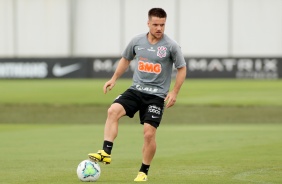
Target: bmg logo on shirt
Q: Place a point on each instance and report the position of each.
(149, 67)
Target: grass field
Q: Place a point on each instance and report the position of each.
(220, 131)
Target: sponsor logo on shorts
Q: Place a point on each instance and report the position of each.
(155, 110)
(155, 116)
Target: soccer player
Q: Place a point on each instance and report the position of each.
(155, 54)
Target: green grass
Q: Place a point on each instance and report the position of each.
(186, 153)
(88, 114)
(193, 92)
(220, 131)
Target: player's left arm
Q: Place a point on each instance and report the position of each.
(172, 95)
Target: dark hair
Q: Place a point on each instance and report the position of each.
(156, 12)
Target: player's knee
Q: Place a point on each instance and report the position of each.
(149, 135)
(114, 112)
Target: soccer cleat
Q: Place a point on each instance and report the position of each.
(100, 156)
(141, 177)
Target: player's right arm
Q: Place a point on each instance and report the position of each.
(121, 68)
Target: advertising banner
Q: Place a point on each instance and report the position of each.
(44, 68)
(253, 68)
(256, 68)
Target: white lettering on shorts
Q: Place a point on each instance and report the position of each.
(154, 109)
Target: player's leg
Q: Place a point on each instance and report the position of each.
(149, 146)
(148, 151)
(150, 116)
(115, 112)
(124, 104)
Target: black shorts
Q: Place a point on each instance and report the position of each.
(150, 107)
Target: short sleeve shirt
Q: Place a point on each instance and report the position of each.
(153, 63)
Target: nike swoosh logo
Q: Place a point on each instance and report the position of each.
(60, 71)
(155, 117)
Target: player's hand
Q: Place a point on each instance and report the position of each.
(170, 99)
(109, 86)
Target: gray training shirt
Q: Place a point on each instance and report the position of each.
(153, 67)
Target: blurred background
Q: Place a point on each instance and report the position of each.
(64, 28)
(219, 38)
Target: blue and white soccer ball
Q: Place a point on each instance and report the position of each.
(88, 171)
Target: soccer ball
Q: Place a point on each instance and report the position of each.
(88, 171)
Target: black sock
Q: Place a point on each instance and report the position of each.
(144, 168)
(107, 146)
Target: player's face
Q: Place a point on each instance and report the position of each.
(156, 26)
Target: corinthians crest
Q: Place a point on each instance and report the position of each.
(161, 51)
